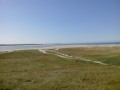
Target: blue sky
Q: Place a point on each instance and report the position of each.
(59, 21)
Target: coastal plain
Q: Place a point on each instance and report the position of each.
(53, 69)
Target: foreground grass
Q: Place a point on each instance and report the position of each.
(108, 55)
(32, 70)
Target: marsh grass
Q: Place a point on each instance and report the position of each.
(32, 70)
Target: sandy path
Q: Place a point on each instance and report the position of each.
(54, 52)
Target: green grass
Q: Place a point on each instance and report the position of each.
(32, 70)
(108, 55)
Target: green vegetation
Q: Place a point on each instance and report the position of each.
(33, 70)
(108, 55)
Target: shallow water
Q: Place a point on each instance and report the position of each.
(20, 47)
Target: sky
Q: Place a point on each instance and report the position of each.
(59, 21)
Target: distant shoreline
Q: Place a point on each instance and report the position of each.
(53, 44)
(58, 47)
(77, 46)
(18, 44)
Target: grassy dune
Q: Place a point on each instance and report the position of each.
(108, 55)
(32, 70)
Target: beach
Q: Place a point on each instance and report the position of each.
(29, 47)
(77, 46)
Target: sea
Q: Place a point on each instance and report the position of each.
(11, 47)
